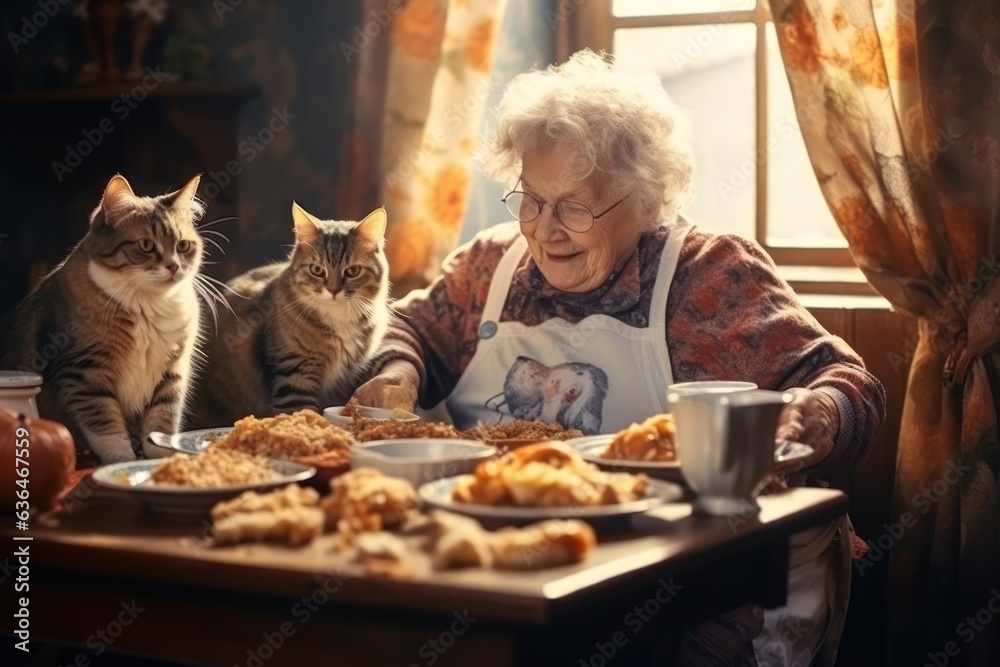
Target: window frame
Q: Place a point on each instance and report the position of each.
(593, 24)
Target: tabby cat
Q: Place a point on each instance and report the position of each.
(113, 328)
(303, 329)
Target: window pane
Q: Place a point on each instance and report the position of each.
(673, 7)
(797, 213)
(708, 70)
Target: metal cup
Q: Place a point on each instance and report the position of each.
(725, 443)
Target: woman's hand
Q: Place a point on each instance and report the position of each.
(395, 387)
(811, 418)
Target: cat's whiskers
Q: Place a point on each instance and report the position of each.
(208, 286)
(214, 232)
(210, 236)
(366, 305)
(209, 240)
(202, 226)
(351, 306)
(398, 313)
(221, 285)
(210, 293)
(208, 299)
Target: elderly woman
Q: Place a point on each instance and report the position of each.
(602, 295)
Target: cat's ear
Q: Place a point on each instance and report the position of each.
(306, 224)
(373, 226)
(117, 203)
(186, 199)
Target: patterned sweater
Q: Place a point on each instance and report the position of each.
(729, 316)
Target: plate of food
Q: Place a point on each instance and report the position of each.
(649, 448)
(304, 437)
(544, 481)
(191, 484)
(646, 448)
(506, 436)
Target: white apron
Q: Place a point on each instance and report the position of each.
(806, 631)
(598, 375)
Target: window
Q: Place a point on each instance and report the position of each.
(720, 60)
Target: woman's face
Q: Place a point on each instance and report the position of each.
(573, 261)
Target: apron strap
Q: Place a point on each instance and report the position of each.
(665, 275)
(502, 277)
(504, 274)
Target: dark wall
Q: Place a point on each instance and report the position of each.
(263, 93)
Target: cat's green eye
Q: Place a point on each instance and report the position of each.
(183, 246)
(317, 270)
(353, 271)
(146, 245)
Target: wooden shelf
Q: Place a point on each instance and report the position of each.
(116, 90)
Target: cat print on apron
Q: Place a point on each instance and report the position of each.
(598, 375)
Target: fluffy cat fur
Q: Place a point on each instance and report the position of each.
(113, 328)
(305, 329)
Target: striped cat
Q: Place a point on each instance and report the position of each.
(112, 329)
(304, 329)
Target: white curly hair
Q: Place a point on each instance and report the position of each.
(625, 132)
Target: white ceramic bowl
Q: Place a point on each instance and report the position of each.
(421, 460)
(334, 415)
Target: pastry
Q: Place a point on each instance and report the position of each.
(652, 441)
(548, 474)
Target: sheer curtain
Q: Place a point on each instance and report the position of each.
(899, 104)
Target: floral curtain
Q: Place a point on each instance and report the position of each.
(440, 59)
(899, 105)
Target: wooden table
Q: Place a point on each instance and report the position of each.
(256, 605)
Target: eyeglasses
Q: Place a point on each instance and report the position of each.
(572, 215)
